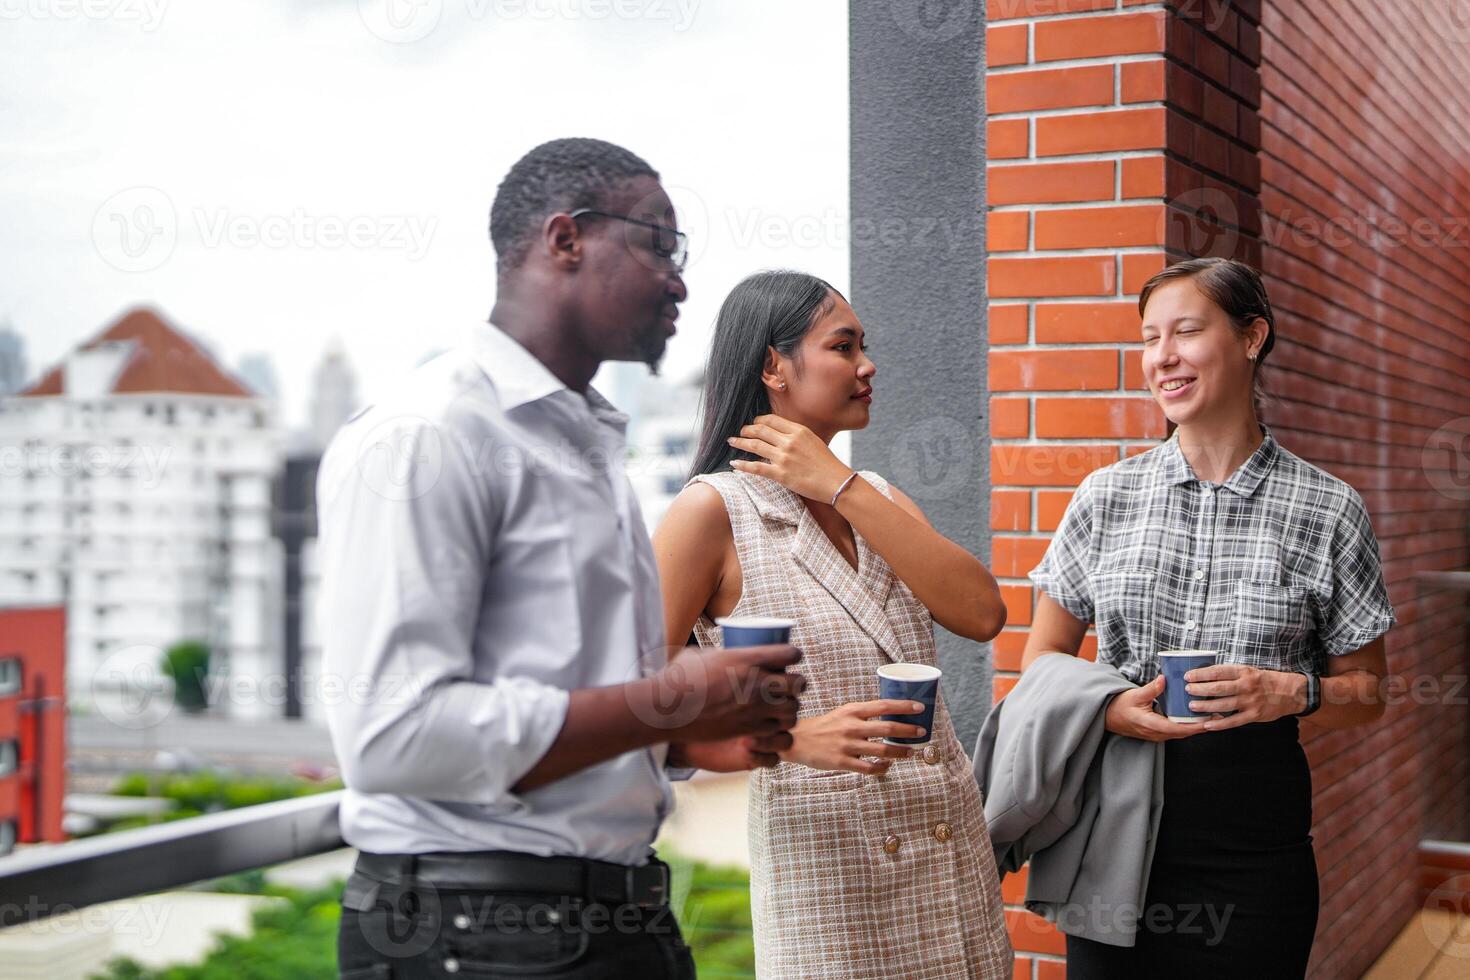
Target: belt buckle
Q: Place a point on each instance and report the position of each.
(659, 891)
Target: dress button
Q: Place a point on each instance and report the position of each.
(1199, 574)
(942, 832)
(890, 844)
(931, 754)
(1190, 625)
(461, 922)
(451, 965)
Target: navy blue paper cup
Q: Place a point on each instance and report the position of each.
(753, 631)
(1174, 702)
(910, 682)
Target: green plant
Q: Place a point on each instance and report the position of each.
(294, 940)
(187, 663)
(208, 791)
(298, 939)
(715, 917)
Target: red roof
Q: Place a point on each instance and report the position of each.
(163, 359)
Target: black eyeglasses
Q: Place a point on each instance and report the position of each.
(668, 243)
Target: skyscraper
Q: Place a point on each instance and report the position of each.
(12, 361)
(258, 371)
(333, 394)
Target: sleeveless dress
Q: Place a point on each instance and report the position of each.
(857, 876)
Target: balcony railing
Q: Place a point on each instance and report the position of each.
(42, 881)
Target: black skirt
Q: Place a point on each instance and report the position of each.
(1232, 891)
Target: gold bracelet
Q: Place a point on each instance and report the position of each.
(850, 477)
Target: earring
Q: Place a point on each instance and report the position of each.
(783, 386)
(1251, 356)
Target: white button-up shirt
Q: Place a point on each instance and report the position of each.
(482, 554)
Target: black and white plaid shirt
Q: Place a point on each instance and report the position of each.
(1277, 567)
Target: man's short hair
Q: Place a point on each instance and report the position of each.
(559, 176)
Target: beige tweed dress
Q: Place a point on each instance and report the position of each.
(857, 876)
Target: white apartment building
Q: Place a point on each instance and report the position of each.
(135, 487)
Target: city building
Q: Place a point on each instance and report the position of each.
(32, 725)
(12, 361)
(294, 521)
(662, 436)
(135, 490)
(258, 372)
(333, 395)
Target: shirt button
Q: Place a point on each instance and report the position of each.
(451, 965)
(461, 922)
(942, 832)
(931, 754)
(1190, 625)
(890, 844)
(1199, 574)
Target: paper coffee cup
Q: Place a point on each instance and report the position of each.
(754, 631)
(1174, 702)
(910, 682)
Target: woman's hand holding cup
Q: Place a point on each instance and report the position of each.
(1132, 714)
(842, 738)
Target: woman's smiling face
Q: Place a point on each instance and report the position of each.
(1194, 359)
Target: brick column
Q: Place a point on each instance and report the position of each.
(1121, 136)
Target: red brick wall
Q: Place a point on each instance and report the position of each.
(1123, 135)
(1366, 122)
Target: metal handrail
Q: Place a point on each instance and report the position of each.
(1452, 851)
(44, 881)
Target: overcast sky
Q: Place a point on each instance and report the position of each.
(272, 174)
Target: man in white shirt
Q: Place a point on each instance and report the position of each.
(491, 616)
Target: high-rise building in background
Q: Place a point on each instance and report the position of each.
(137, 493)
(662, 436)
(333, 395)
(12, 361)
(258, 372)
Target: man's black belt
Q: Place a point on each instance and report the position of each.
(600, 882)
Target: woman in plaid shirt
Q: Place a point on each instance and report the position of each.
(1221, 540)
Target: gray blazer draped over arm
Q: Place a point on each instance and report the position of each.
(1080, 803)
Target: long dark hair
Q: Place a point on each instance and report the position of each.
(767, 309)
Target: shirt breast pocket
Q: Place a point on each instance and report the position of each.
(1271, 622)
(1123, 604)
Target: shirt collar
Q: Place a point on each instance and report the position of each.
(1244, 481)
(520, 378)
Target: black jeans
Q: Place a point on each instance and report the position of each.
(420, 931)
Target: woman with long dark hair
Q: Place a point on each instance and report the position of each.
(867, 859)
(1219, 540)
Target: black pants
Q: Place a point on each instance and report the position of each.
(1233, 887)
(419, 931)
